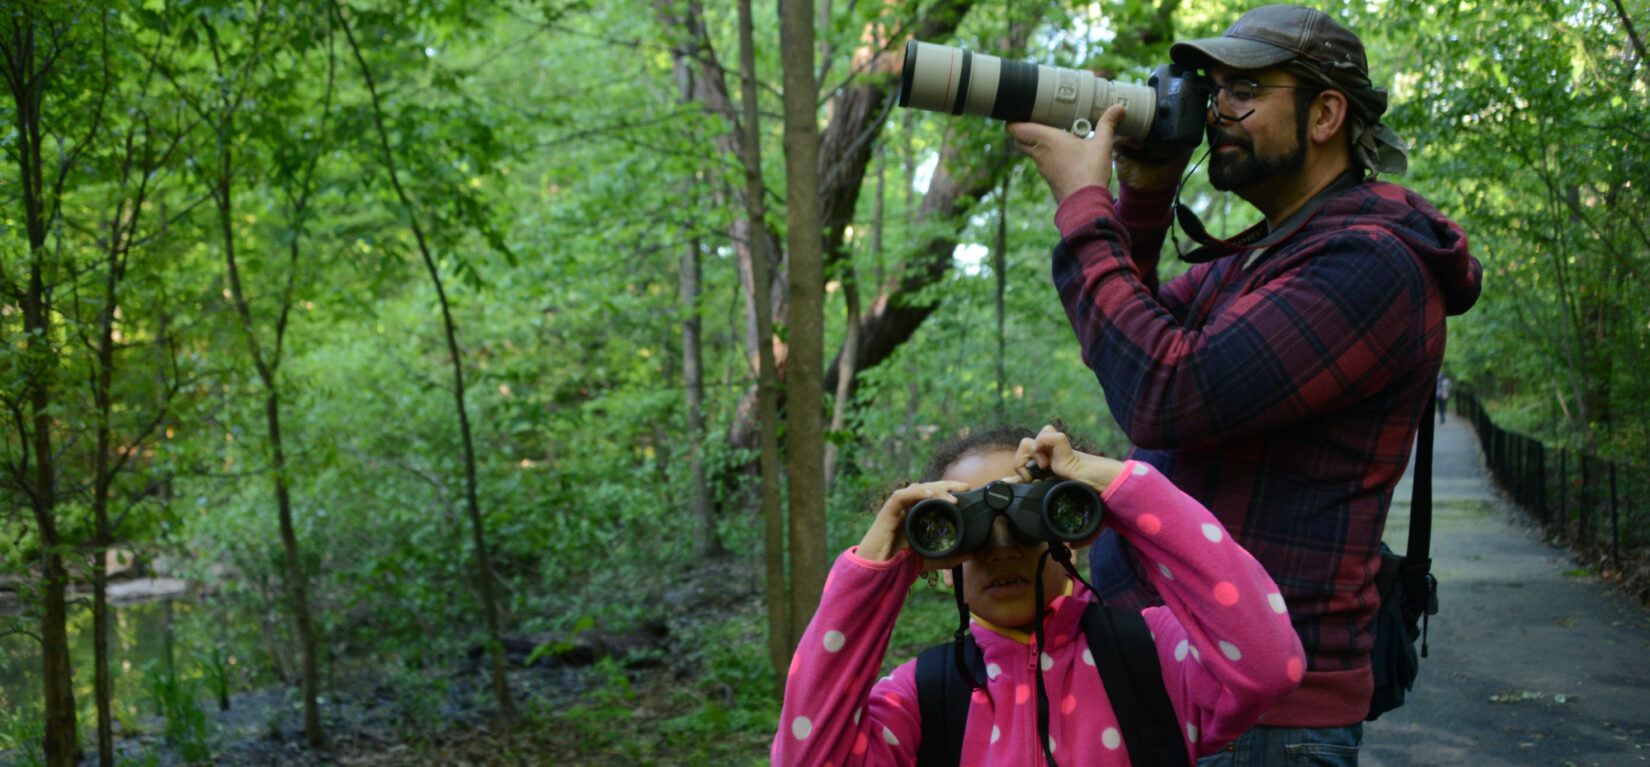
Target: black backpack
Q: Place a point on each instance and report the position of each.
(1408, 589)
(1124, 655)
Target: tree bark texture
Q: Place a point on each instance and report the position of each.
(804, 443)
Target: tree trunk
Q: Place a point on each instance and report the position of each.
(804, 464)
(484, 573)
(999, 266)
(844, 152)
(297, 583)
(62, 739)
(28, 91)
(844, 373)
(705, 543)
(103, 534)
(761, 310)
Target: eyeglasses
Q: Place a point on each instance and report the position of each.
(1241, 92)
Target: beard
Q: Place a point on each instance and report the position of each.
(1247, 168)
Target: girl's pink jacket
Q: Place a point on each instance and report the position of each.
(1223, 638)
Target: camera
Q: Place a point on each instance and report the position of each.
(1055, 511)
(1166, 114)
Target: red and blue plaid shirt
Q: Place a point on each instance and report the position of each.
(1283, 391)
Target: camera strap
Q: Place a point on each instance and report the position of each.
(1258, 236)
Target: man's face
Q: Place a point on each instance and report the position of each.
(1270, 139)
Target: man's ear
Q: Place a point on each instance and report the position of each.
(1328, 116)
(945, 577)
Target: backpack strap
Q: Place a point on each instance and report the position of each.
(1126, 657)
(1420, 595)
(943, 698)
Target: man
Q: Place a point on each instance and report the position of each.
(1280, 382)
(1443, 396)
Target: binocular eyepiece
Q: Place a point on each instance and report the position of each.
(1050, 511)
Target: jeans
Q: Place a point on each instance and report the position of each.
(1264, 746)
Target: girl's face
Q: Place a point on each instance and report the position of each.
(998, 582)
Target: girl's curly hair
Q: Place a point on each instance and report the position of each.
(1000, 437)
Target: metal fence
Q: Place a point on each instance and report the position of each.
(1595, 503)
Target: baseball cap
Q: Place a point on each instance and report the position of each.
(1272, 34)
(1316, 48)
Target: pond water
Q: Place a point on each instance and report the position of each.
(195, 640)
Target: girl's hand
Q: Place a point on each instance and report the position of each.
(887, 534)
(1052, 450)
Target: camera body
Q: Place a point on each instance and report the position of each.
(1166, 114)
(1053, 511)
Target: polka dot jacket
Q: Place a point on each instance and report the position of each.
(1223, 639)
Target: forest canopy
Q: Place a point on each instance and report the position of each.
(404, 328)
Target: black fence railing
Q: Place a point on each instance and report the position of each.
(1597, 504)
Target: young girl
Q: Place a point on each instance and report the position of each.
(1223, 639)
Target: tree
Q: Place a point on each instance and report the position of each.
(804, 435)
(236, 65)
(57, 96)
(1551, 191)
(484, 571)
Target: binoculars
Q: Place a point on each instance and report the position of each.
(1055, 511)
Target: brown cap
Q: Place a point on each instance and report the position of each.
(1272, 34)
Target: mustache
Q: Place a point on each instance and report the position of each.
(1219, 138)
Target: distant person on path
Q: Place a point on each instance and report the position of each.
(1280, 383)
(1443, 396)
(1224, 641)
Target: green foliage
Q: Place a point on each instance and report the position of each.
(175, 698)
(1527, 117)
(561, 175)
(22, 735)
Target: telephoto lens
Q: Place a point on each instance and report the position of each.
(940, 78)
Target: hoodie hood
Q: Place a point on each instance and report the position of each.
(1437, 241)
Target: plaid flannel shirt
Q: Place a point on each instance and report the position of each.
(1283, 391)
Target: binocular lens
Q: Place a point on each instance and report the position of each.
(933, 529)
(1071, 514)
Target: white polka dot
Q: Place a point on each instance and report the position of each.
(1051, 744)
(996, 732)
(1213, 532)
(1191, 732)
(1278, 605)
(801, 727)
(834, 640)
(1048, 662)
(1197, 656)
(1111, 738)
(1140, 469)
(992, 671)
(1164, 569)
(1088, 656)
(888, 735)
(1231, 651)
(1180, 651)
(857, 713)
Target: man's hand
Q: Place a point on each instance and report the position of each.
(1069, 163)
(1148, 176)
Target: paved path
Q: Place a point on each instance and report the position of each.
(1532, 661)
